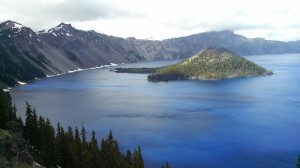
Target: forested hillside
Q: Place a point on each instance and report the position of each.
(211, 63)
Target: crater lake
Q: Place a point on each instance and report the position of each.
(244, 122)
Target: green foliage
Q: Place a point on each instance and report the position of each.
(137, 158)
(209, 64)
(110, 151)
(72, 150)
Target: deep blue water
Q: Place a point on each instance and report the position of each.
(246, 122)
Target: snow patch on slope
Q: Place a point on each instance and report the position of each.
(21, 83)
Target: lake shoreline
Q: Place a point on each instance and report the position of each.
(64, 73)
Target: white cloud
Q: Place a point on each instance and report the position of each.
(160, 19)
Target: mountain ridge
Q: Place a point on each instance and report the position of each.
(64, 48)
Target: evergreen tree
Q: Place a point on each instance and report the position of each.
(77, 137)
(41, 129)
(29, 124)
(77, 151)
(128, 159)
(35, 136)
(93, 143)
(83, 136)
(94, 151)
(5, 109)
(110, 152)
(85, 154)
(14, 113)
(137, 158)
(58, 133)
(70, 136)
(65, 158)
(49, 144)
(140, 156)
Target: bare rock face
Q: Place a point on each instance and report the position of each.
(14, 149)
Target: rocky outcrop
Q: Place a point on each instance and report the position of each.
(14, 151)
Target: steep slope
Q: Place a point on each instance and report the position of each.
(14, 151)
(16, 63)
(68, 48)
(26, 55)
(211, 63)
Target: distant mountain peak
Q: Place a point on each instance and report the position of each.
(222, 31)
(228, 31)
(13, 23)
(65, 26)
(61, 29)
(10, 24)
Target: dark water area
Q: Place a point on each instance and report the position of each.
(246, 122)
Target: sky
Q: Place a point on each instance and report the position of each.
(161, 19)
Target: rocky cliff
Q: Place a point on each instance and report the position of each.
(14, 151)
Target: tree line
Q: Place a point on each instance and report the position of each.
(71, 149)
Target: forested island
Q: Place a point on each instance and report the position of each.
(208, 64)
